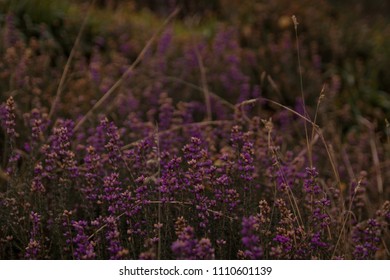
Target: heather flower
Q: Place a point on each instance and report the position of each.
(170, 180)
(83, 247)
(310, 185)
(34, 246)
(250, 238)
(187, 247)
(223, 180)
(203, 204)
(366, 237)
(318, 205)
(180, 225)
(150, 254)
(12, 163)
(93, 170)
(152, 243)
(183, 247)
(185, 112)
(228, 197)
(204, 250)
(115, 249)
(33, 249)
(142, 189)
(8, 118)
(236, 137)
(193, 151)
(58, 153)
(50, 161)
(37, 184)
(112, 193)
(321, 218)
(200, 173)
(66, 217)
(317, 242)
(288, 235)
(245, 163)
(263, 218)
(38, 122)
(285, 172)
(98, 137)
(285, 244)
(284, 240)
(113, 144)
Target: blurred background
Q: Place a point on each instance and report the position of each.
(345, 45)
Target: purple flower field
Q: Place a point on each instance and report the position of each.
(135, 133)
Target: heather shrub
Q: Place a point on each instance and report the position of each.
(206, 148)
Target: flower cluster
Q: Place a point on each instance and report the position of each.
(250, 240)
(190, 248)
(84, 248)
(366, 237)
(8, 118)
(34, 246)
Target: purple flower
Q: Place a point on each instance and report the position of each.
(318, 204)
(316, 241)
(112, 194)
(98, 137)
(281, 239)
(115, 249)
(83, 247)
(113, 145)
(37, 184)
(8, 118)
(228, 197)
(93, 171)
(34, 246)
(310, 184)
(250, 239)
(245, 163)
(38, 123)
(204, 250)
(200, 172)
(187, 247)
(366, 237)
(171, 180)
(58, 153)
